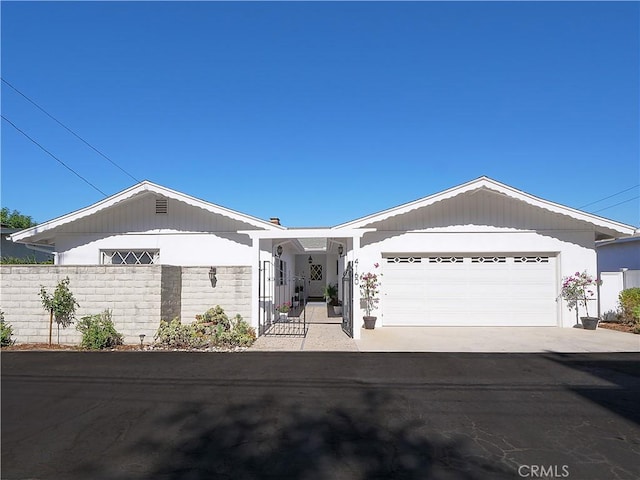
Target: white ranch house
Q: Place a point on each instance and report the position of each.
(482, 254)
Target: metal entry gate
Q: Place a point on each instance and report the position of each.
(282, 302)
(347, 300)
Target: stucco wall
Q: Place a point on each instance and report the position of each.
(176, 248)
(232, 291)
(138, 296)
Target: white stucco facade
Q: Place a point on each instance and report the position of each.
(482, 218)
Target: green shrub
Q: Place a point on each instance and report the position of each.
(28, 260)
(6, 331)
(629, 300)
(172, 334)
(211, 329)
(214, 315)
(98, 331)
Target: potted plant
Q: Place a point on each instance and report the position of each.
(577, 290)
(331, 293)
(283, 310)
(331, 296)
(369, 290)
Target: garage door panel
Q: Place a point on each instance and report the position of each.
(482, 290)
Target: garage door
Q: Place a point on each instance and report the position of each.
(491, 290)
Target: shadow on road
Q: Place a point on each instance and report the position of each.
(622, 370)
(265, 438)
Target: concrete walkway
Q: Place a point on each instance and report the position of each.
(325, 334)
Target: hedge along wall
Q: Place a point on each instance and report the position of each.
(232, 291)
(138, 296)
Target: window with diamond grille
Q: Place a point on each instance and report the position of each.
(130, 257)
(315, 272)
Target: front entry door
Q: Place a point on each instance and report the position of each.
(316, 280)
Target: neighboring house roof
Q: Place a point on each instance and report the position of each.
(603, 226)
(617, 241)
(10, 249)
(31, 234)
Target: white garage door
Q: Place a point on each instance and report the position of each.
(491, 290)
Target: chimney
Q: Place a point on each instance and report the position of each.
(275, 220)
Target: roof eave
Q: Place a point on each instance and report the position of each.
(602, 225)
(23, 236)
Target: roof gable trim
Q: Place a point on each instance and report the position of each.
(486, 183)
(142, 187)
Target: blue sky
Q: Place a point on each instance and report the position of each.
(320, 113)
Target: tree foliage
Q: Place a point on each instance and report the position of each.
(15, 219)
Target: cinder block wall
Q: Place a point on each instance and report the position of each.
(132, 293)
(232, 291)
(139, 296)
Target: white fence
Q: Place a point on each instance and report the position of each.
(612, 284)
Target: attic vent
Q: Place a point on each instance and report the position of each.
(162, 205)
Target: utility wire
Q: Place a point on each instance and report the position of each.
(611, 196)
(52, 155)
(71, 131)
(616, 204)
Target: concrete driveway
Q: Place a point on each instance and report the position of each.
(496, 340)
(324, 333)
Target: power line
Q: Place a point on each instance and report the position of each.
(71, 131)
(616, 204)
(611, 196)
(52, 155)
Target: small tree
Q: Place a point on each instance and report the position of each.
(61, 306)
(577, 290)
(369, 290)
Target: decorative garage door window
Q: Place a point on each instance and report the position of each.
(315, 273)
(473, 259)
(531, 260)
(404, 260)
(445, 259)
(488, 259)
(129, 257)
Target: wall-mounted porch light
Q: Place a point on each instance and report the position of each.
(340, 250)
(279, 251)
(212, 276)
(310, 260)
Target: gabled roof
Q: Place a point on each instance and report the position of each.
(141, 188)
(603, 225)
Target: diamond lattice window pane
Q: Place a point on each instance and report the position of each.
(315, 272)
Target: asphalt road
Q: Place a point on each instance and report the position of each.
(155, 415)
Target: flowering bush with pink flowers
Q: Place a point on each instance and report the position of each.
(369, 290)
(578, 289)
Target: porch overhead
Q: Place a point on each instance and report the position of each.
(307, 233)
